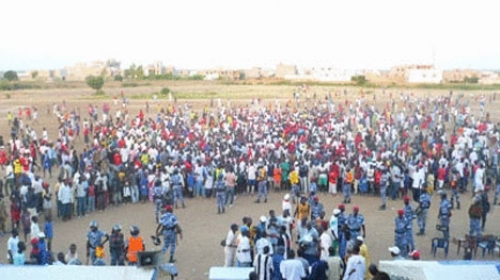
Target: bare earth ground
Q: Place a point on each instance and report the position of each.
(203, 227)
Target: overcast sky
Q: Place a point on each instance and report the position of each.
(240, 34)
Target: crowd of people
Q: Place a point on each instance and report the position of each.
(408, 147)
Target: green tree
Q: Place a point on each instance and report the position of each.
(95, 82)
(360, 79)
(118, 78)
(34, 75)
(139, 73)
(131, 72)
(10, 75)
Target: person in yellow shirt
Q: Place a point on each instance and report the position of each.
(303, 209)
(363, 251)
(294, 182)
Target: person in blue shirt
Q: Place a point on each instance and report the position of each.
(19, 258)
(49, 231)
(94, 239)
(422, 210)
(445, 215)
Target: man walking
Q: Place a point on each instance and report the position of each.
(168, 225)
(422, 210)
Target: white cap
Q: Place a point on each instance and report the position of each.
(41, 235)
(287, 196)
(360, 238)
(263, 219)
(336, 211)
(395, 250)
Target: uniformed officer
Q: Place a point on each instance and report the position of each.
(422, 210)
(409, 215)
(355, 223)
(316, 208)
(168, 226)
(400, 232)
(444, 215)
(384, 184)
(177, 183)
(94, 240)
(220, 193)
(157, 198)
(341, 228)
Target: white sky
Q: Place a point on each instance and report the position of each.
(241, 34)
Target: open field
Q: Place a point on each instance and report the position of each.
(203, 228)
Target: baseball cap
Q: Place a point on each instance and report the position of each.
(415, 254)
(244, 229)
(360, 238)
(287, 196)
(395, 250)
(41, 234)
(263, 219)
(336, 211)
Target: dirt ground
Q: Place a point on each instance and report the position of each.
(203, 227)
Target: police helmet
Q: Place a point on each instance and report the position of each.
(117, 227)
(94, 223)
(134, 230)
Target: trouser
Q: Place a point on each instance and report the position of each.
(483, 220)
(262, 190)
(401, 242)
(169, 242)
(91, 207)
(455, 195)
(383, 194)
(158, 204)
(421, 219)
(221, 199)
(199, 190)
(135, 194)
(409, 236)
(332, 188)
(117, 257)
(394, 190)
(230, 195)
(250, 186)
(229, 254)
(416, 194)
(9, 186)
(304, 184)
(80, 206)
(445, 223)
(475, 227)
(355, 234)
(178, 195)
(346, 191)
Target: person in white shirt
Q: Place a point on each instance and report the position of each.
(479, 178)
(292, 268)
(230, 246)
(356, 266)
(243, 254)
(326, 240)
(12, 245)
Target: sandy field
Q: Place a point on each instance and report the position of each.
(203, 227)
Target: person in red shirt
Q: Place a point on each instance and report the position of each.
(441, 176)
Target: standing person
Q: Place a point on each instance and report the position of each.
(304, 177)
(356, 266)
(261, 183)
(396, 177)
(444, 215)
(220, 193)
(263, 265)
(19, 258)
(309, 243)
(422, 210)
(177, 186)
(409, 214)
(455, 183)
(134, 245)
(346, 187)
(418, 181)
(117, 246)
(292, 268)
(230, 246)
(12, 245)
(356, 223)
(316, 208)
(475, 215)
(34, 228)
(318, 270)
(157, 198)
(3, 215)
(49, 231)
(384, 185)
(400, 236)
(485, 203)
(230, 179)
(168, 226)
(95, 239)
(335, 265)
(326, 241)
(243, 249)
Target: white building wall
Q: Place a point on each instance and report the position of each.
(424, 76)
